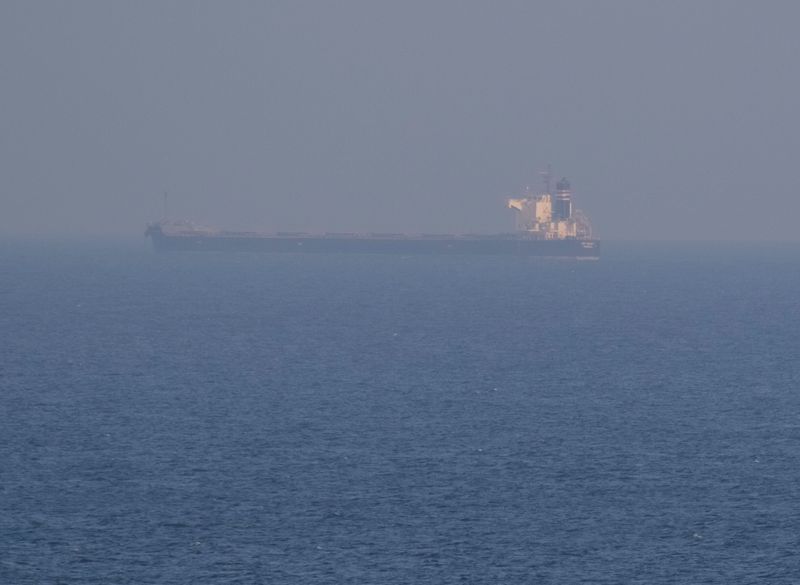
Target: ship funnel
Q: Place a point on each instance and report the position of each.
(563, 204)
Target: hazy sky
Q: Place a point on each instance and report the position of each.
(673, 119)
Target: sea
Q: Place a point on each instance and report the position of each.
(356, 419)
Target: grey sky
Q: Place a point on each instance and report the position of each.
(672, 119)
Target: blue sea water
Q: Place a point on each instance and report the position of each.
(218, 418)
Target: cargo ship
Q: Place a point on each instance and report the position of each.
(546, 225)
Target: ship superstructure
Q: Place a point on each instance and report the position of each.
(546, 216)
(547, 225)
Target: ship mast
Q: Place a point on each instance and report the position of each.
(547, 178)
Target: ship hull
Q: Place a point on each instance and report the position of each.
(409, 245)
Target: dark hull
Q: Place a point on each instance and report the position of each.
(507, 245)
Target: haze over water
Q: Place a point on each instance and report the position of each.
(302, 419)
(240, 418)
(673, 120)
